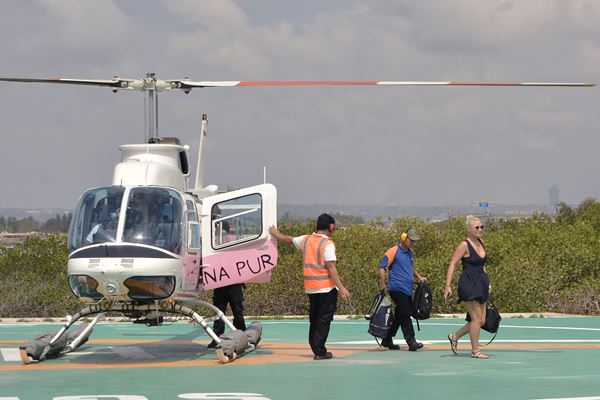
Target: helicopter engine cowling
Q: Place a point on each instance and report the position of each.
(153, 164)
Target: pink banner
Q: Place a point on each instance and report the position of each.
(227, 267)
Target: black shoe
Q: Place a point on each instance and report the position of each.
(415, 346)
(325, 356)
(390, 344)
(211, 345)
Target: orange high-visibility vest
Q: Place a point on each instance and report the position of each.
(316, 275)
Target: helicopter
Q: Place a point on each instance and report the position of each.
(148, 244)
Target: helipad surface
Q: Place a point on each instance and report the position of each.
(532, 358)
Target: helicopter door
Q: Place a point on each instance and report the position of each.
(193, 253)
(236, 246)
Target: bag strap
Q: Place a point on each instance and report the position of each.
(491, 340)
(377, 300)
(417, 284)
(491, 302)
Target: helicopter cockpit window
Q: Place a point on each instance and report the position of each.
(154, 217)
(97, 217)
(236, 220)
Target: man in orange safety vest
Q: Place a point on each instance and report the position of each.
(321, 280)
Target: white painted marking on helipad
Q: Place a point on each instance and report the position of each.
(566, 328)
(10, 354)
(435, 341)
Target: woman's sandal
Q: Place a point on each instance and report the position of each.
(453, 343)
(479, 354)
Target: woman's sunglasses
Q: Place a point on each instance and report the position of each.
(478, 227)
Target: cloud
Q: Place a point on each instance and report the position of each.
(328, 144)
(211, 15)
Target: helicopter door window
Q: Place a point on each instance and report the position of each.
(192, 215)
(194, 235)
(96, 217)
(154, 217)
(236, 221)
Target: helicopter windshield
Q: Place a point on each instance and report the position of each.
(154, 217)
(97, 217)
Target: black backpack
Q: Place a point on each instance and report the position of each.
(422, 302)
(380, 316)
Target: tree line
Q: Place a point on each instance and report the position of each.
(541, 264)
(59, 223)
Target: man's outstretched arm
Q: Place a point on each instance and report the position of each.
(280, 236)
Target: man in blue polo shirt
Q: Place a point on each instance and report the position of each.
(399, 261)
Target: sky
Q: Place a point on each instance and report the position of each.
(363, 145)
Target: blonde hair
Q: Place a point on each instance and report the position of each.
(469, 219)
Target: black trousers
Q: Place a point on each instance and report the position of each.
(322, 308)
(234, 296)
(402, 319)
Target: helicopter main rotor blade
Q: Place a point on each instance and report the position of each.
(150, 83)
(187, 84)
(115, 83)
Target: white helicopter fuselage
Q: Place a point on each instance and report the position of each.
(148, 237)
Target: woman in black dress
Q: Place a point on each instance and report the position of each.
(473, 285)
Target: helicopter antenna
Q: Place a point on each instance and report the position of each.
(200, 167)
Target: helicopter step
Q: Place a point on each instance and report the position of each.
(229, 346)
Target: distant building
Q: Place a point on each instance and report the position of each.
(554, 194)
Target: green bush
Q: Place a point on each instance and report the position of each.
(536, 265)
(33, 279)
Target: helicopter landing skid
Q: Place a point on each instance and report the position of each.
(225, 359)
(34, 351)
(229, 346)
(233, 344)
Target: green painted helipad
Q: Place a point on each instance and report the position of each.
(532, 358)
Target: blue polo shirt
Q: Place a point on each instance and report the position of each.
(401, 267)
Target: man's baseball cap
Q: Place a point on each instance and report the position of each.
(412, 234)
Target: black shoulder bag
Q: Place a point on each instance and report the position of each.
(492, 320)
